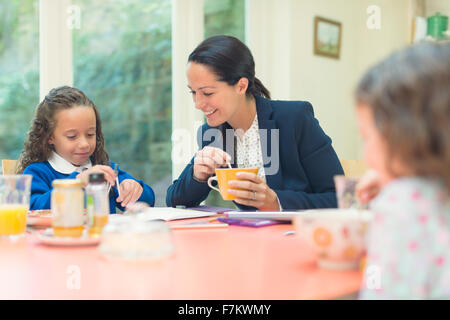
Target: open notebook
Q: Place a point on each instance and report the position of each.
(168, 214)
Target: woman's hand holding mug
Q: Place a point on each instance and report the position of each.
(207, 160)
(255, 192)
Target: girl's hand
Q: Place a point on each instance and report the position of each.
(207, 160)
(130, 191)
(256, 192)
(106, 170)
(368, 186)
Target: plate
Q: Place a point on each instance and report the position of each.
(48, 238)
(39, 218)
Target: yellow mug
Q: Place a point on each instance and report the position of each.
(223, 175)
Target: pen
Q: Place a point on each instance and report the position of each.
(117, 178)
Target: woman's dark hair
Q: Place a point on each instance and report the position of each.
(409, 96)
(37, 147)
(230, 60)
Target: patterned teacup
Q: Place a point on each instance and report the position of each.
(338, 236)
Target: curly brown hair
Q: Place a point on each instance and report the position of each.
(37, 147)
(409, 96)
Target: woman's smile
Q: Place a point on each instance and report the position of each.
(209, 114)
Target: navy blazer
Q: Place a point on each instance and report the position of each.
(304, 163)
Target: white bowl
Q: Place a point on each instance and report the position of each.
(133, 237)
(338, 236)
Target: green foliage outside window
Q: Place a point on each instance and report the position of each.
(19, 72)
(225, 17)
(122, 61)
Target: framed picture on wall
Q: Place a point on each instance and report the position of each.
(327, 37)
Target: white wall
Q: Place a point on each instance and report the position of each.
(434, 6)
(327, 83)
(374, 45)
(268, 33)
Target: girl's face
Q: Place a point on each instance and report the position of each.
(74, 137)
(216, 99)
(375, 147)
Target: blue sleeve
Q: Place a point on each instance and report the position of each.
(186, 190)
(147, 196)
(320, 163)
(41, 185)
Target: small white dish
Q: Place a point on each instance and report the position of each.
(48, 238)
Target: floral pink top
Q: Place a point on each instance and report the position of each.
(409, 242)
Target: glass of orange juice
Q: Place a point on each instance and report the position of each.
(14, 205)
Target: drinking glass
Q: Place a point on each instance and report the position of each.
(14, 205)
(346, 192)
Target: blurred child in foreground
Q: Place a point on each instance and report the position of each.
(403, 112)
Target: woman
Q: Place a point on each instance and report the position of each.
(282, 138)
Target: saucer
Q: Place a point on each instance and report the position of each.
(48, 238)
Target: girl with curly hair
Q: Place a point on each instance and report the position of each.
(65, 141)
(403, 110)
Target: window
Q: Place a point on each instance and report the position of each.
(123, 64)
(19, 76)
(122, 59)
(224, 17)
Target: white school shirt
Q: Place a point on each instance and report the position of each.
(248, 150)
(63, 166)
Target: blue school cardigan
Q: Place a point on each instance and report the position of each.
(307, 161)
(44, 174)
